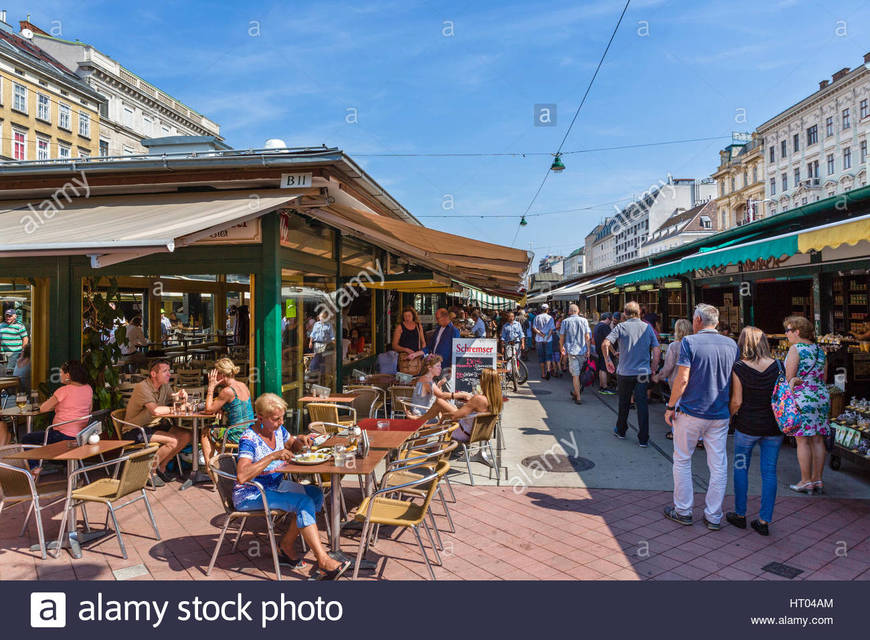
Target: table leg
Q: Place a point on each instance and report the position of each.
(335, 524)
(196, 476)
(29, 423)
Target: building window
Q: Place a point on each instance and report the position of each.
(128, 117)
(104, 147)
(733, 182)
(797, 176)
(41, 149)
(129, 151)
(772, 209)
(773, 186)
(43, 107)
(864, 109)
(84, 154)
(148, 126)
(706, 223)
(784, 181)
(164, 130)
(813, 169)
(64, 116)
(846, 118)
(830, 164)
(62, 151)
(745, 178)
(829, 126)
(755, 174)
(783, 149)
(863, 151)
(772, 155)
(803, 200)
(19, 98)
(847, 158)
(19, 144)
(84, 124)
(812, 135)
(796, 142)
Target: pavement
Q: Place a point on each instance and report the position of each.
(598, 521)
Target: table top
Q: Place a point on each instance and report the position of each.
(396, 424)
(337, 397)
(381, 443)
(175, 416)
(15, 411)
(68, 450)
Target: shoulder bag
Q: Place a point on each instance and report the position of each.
(784, 405)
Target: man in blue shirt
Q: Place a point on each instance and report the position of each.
(575, 339)
(698, 408)
(543, 327)
(634, 340)
(512, 334)
(479, 328)
(441, 341)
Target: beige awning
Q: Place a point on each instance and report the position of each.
(490, 267)
(111, 229)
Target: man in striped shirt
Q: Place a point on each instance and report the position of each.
(13, 338)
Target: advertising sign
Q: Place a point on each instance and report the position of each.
(470, 357)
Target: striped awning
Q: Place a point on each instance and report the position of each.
(478, 298)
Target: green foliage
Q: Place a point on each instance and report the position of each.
(98, 354)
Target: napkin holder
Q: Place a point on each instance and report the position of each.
(362, 449)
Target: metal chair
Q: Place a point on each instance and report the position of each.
(122, 426)
(398, 393)
(367, 400)
(17, 486)
(482, 429)
(107, 491)
(223, 468)
(379, 405)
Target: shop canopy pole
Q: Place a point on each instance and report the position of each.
(268, 307)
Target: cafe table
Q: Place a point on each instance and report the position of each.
(27, 414)
(393, 424)
(381, 443)
(196, 476)
(70, 452)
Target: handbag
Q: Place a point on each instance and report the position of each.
(587, 375)
(784, 406)
(413, 367)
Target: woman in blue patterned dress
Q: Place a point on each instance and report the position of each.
(264, 447)
(806, 370)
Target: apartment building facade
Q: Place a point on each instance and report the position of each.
(133, 109)
(740, 182)
(683, 227)
(818, 147)
(604, 245)
(575, 263)
(46, 111)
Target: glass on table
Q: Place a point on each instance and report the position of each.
(383, 424)
(21, 401)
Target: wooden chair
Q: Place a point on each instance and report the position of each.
(18, 486)
(135, 473)
(191, 377)
(223, 468)
(328, 412)
(398, 393)
(482, 429)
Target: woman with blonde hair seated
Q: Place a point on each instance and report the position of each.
(264, 448)
(234, 399)
(488, 401)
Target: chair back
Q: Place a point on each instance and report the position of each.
(398, 392)
(191, 377)
(325, 427)
(483, 427)
(94, 427)
(136, 471)
(322, 412)
(366, 400)
(224, 468)
(117, 421)
(13, 483)
(126, 390)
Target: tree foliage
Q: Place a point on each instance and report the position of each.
(101, 313)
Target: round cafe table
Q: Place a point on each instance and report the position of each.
(196, 476)
(395, 424)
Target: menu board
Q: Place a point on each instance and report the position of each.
(470, 357)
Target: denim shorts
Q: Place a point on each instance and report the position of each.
(545, 351)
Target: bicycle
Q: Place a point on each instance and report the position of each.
(517, 369)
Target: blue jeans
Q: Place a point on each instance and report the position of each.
(743, 445)
(625, 387)
(303, 500)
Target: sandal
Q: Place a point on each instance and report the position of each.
(669, 435)
(700, 444)
(335, 574)
(286, 561)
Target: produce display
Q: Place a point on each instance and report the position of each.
(853, 427)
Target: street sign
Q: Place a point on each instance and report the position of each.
(295, 180)
(470, 357)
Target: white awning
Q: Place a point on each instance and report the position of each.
(112, 229)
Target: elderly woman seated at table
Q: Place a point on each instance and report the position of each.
(74, 399)
(234, 399)
(263, 448)
(426, 390)
(490, 400)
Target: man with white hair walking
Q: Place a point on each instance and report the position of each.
(543, 327)
(698, 408)
(574, 340)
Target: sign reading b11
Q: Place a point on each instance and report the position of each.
(295, 180)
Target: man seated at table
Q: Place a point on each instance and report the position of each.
(152, 398)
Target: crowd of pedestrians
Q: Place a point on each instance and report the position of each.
(715, 385)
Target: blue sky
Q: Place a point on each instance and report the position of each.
(464, 78)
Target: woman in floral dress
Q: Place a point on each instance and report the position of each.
(806, 370)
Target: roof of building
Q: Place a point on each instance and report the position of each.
(681, 221)
(577, 252)
(29, 53)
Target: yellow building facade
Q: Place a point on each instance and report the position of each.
(740, 182)
(44, 112)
